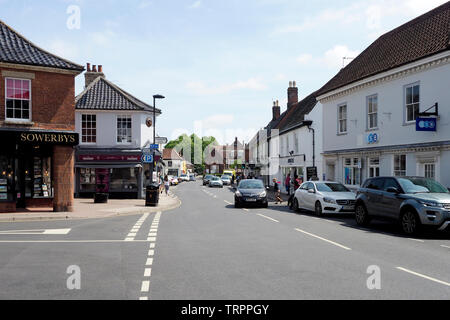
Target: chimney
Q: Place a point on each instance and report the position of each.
(292, 94)
(92, 74)
(276, 110)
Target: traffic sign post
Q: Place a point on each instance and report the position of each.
(147, 158)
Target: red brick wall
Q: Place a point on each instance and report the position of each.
(63, 178)
(53, 100)
(7, 207)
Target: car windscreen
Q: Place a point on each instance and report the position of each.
(421, 185)
(208, 177)
(331, 187)
(215, 179)
(251, 184)
(226, 177)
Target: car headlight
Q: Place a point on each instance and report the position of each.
(329, 200)
(431, 204)
(263, 194)
(238, 194)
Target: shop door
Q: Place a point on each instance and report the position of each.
(23, 179)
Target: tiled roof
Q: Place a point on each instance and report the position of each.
(14, 48)
(424, 36)
(297, 112)
(171, 154)
(102, 94)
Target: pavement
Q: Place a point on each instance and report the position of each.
(87, 209)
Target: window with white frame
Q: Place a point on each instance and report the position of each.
(412, 99)
(342, 119)
(124, 134)
(399, 165)
(374, 167)
(372, 112)
(18, 99)
(430, 170)
(88, 128)
(352, 171)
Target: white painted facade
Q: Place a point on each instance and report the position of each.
(350, 158)
(292, 152)
(106, 123)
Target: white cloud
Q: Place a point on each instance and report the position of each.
(196, 4)
(200, 88)
(304, 58)
(66, 50)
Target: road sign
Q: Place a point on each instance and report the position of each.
(154, 146)
(147, 158)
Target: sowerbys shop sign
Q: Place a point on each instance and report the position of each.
(41, 137)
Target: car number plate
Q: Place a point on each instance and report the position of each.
(251, 200)
(349, 208)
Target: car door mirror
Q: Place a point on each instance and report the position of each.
(311, 191)
(393, 190)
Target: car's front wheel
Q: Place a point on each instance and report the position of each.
(410, 222)
(318, 209)
(361, 215)
(295, 206)
(236, 204)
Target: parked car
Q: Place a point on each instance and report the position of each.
(191, 177)
(206, 179)
(184, 177)
(324, 197)
(250, 192)
(215, 182)
(173, 180)
(414, 202)
(226, 179)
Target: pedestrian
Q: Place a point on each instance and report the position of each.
(166, 184)
(277, 191)
(232, 179)
(287, 184)
(296, 183)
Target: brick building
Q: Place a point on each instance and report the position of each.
(37, 125)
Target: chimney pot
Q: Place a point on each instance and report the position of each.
(100, 68)
(88, 67)
(94, 68)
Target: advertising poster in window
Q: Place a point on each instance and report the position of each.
(102, 178)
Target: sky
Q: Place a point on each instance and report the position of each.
(219, 63)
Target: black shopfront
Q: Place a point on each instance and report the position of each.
(26, 167)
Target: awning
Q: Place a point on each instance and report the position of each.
(108, 166)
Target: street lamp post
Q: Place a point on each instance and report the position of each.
(152, 165)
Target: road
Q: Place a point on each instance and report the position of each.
(207, 249)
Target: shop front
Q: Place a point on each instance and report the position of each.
(120, 174)
(36, 170)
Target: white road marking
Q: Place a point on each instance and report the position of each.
(73, 241)
(148, 272)
(445, 246)
(135, 229)
(154, 230)
(227, 202)
(424, 276)
(152, 239)
(152, 234)
(36, 232)
(143, 298)
(149, 262)
(246, 210)
(323, 239)
(417, 240)
(132, 234)
(151, 252)
(152, 245)
(267, 217)
(145, 286)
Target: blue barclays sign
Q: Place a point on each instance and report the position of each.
(426, 124)
(373, 138)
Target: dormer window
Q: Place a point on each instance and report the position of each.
(18, 99)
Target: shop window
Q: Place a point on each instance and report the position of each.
(18, 99)
(42, 180)
(123, 180)
(352, 171)
(123, 129)
(88, 128)
(6, 178)
(400, 165)
(430, 170)
(374, 167)
(87, 180)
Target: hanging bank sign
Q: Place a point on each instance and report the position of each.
(426, 124)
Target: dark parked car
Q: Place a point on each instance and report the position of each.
(413, 201)
(207, 179)
(250, 192)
